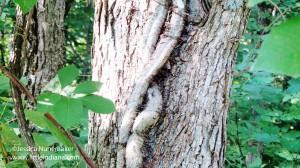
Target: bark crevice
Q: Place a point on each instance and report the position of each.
(194, 80)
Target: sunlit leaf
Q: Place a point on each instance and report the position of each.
(26, 5)
(37, 118)
(4, 83)
(9, 136)
(280, 51)
(88, 87)
(68, 111)
(47, 100)
(58, 134)
(98, 104)
(67, 75)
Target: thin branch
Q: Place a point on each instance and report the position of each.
(273, 22)
(23, 126)
(4, 151)
(88, 161)
(17, 87)
(278, 9)
(18, 84)
(238, 141)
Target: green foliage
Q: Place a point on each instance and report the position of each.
(58, 95)
(263, 124)
(252, 3)
(280, 51)
(17, 164)
(26, 5)
(58, 134)
(68, 111)
(7, 19)
(79, 36)
(264, 120)
(37, 118)
(67, 101)
(4, 83)
(9, 136)
(87, 87)
(69, 104)
(47, 100)
(98, 104)
(67, 75)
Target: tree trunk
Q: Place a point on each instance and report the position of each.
(38, 44)
(37, 53)
(168, 67)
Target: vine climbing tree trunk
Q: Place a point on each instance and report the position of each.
(167, 64)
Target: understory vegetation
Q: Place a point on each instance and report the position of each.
(264, 118)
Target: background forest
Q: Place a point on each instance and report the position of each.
(264, 118)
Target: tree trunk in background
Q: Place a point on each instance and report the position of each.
(37, 54)
(129, 39)
(38, 49)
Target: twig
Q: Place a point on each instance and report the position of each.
(23, 126)
(277, 8)
(4, 151)
(17, 90)
(18, 84)
(21, 117)
(273, 22)
(238, 137)
(88, 161)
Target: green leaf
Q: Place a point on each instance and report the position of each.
(67, 75)
(40, 140)
(88, 87)
(17, 164)
(68, 111)
(252, 3)
(9, 137)
(4, 83)
(98, 104)
(47, 100)
(280, 51)
(291, 144)
(58, 134)
(284, 153)
(26, 5)
(266, 138)
(40, 120)
(37, 118)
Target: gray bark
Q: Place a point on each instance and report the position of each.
(37, 53)
(130, 37)
(38, 45)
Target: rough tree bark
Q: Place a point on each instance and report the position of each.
(37, 53)
(38, 45)
(172, 115)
